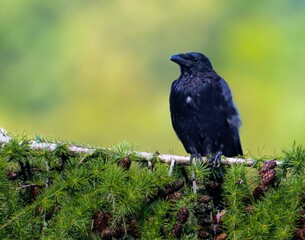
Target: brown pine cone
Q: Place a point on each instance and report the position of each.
(258, 193)
(202, 234)
(118, 232)
(12, 175)
(170, 188)
(212, 185)
(221, 236)
(268, 177)
(183, 215)
(177, 185)
(267, 166)
(133, 229)
(125, 163)
(35, 191)
(100, 221)
(175, 196)
(203, 208)
(177, 230)
(300, 234)
(204, 198)
(107, 234)
(249, 209)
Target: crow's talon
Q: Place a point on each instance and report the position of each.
(216, 159)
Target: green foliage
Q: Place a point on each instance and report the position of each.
(59, 195)
(275, 215)
(235, 189)
(294, 160)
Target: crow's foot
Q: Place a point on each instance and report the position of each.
(216, 159)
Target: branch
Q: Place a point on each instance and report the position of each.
(165, 158)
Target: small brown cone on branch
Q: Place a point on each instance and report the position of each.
(118, 232)
(221, 236)
(300, 233)
(268, 177)
(175, 196)
(12, 175)
(177, 230)
(133, 229)
(107, 234)
(249, 209)
(203, 199)
(267, 166)
(35, 191)
(258, 193)
(183, 215)
(100, 221)
(202, 234)
(125, 163)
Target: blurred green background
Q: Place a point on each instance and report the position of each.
(98, 71)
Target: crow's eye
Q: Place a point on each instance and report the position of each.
(196, 59)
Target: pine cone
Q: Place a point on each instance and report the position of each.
(203, 198)
(212, 185)
(249, 209)
(106, 234)
(203, 208)
(35, 191)
(167, 190)
(183, 215)
(176, 186)
(300, 234)
(258, 193)
(221, 236)
(118, 232)
(175, 196)
(268, 177)
(12, 175)
(202, 234)
(301, 224)
(38, 211)
(50, 213)
(267, 166)
(125, 163)
(246, 199)
(133, 229)
(100, 221)
(177, 230)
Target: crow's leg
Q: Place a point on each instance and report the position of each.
(216, 158)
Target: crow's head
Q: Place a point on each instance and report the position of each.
(192, 62)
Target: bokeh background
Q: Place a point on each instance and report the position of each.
(98, 71)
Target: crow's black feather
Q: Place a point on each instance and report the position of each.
(203, 113)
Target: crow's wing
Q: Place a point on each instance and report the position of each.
(233, 147)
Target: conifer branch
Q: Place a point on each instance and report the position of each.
(165, 158)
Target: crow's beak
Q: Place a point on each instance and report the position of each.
(178, 58)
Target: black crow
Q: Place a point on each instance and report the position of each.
(203, 113)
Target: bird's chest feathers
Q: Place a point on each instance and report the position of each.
(193, 93)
